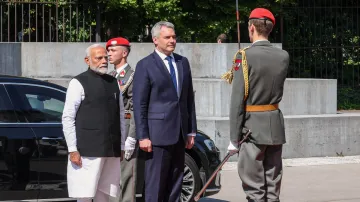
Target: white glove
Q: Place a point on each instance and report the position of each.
(232, 149)
(129, 147)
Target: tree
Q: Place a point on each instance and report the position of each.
(70, 21)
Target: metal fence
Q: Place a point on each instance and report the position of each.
(322, 36)
(323, 40)
(48, 21)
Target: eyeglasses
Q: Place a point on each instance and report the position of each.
(102, 57)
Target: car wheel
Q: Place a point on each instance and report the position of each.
(191, 180)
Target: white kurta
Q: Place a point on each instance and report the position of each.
(96, 174)
(101, 174)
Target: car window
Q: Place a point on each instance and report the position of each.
(7, 113)
(38, 104)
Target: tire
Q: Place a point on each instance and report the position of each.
(191, 180)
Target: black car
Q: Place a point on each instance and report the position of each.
(33, 152)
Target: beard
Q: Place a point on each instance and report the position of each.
(99, 70)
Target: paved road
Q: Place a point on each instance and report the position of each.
(325, 183)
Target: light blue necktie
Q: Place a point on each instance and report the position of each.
(172, 71)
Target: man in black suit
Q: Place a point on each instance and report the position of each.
(165, 116)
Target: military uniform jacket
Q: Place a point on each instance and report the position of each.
(267, 70)
(125, 80)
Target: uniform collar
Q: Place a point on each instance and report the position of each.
(120, 69)
(261, 42)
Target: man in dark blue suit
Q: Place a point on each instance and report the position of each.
(165, 116)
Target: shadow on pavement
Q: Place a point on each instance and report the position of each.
(212, 200)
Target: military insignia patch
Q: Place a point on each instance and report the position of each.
(122, 73)
(237, 61)
(121, 82)
(237, 64)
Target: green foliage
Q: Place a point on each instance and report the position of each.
(348, 98)
(323, 42)
(195, 20)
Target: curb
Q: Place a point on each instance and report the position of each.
(313, 161)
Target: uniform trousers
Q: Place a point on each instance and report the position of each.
(260, 170)
(128, 178)
(98, 178)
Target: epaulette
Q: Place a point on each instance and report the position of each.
(239, 59)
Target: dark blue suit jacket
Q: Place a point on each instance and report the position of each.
(161, 114)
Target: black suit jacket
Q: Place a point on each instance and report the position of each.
(160, 112)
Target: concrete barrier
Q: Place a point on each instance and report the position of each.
(53, 60)
(301, 96)
(10, 59)
(307, 135)
(212, 97)
(63, 60)
(322, 135)
(309, 97)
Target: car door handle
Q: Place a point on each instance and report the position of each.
(51, 138)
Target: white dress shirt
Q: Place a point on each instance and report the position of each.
(74, 95)
(163, 57)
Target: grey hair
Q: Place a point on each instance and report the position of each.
(88, 49)
(155, 30)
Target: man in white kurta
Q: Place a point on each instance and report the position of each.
(92, 131)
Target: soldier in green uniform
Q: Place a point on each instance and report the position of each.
(257, 78)
(118, 51)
